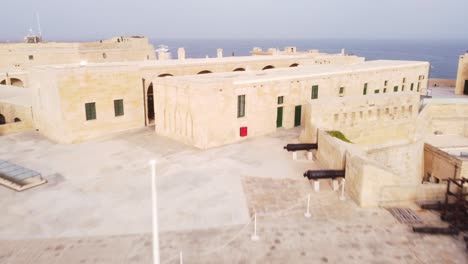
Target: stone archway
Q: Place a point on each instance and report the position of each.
(16, 82)
(3, 82)
(239, 69)
(205, 72)
(294, 65)
(268, 67)
(2, 120)
(165, 75)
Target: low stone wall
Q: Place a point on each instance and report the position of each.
(366, 120)
(426, 193)
(17, 117)
(442, 165)
(441, 83)
(331, 153)
(14, 128)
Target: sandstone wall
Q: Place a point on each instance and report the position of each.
(60, 96)
(462, 74)
(12, 112)
(365, 120)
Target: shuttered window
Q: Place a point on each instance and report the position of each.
(315, 91)
(241, 105)
(118, 107)
(90, 109)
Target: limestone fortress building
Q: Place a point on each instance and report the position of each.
(75, 92)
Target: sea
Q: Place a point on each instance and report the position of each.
(442, 54)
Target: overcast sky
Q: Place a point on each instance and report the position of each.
(97, 19)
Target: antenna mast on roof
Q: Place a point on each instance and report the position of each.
(38, 25)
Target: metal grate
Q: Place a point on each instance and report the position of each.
(404, 215)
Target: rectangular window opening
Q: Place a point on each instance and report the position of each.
(315, 91)
(241, 105)
(118, 107)
(90, 109)
(280, 99)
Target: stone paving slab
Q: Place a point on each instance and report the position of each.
(358, 236)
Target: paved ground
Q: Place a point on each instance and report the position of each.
(445, 92)
(96, 207)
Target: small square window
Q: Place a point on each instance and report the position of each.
(280, 99)
(90, 109)
(31, 57)
(403, 88)
(385, 90)
(395, 88)
(118, 107)
(376, 91)
(404, 80)
(341, 90)
(386, 82)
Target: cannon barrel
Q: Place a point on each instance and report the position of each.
(298, 147)
(436, 230)
(324, 174)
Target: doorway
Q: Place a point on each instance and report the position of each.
(279, 117)
(465, 90)
(297, 115)
(150, 104)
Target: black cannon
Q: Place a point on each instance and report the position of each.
(436, 230)
(324, 174)
(298, 147)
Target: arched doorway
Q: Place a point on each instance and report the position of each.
(239, 69)
(16, 82)
(204, 72)
(17, 120)
(268, 67)
(294, 65)
(150, 103)
(2, 120)
(3, 82)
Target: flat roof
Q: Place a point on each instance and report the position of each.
(446, 141)
(305, 71)
(15, 95)
(195, 61)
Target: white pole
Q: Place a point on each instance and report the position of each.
(342, 196)
(155, 213)
(181, 258)
(307, 213)
(255, 237)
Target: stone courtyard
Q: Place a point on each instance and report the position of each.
(96, 207)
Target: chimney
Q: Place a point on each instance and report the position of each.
(181, 54)
(342, 51)
(220, 53)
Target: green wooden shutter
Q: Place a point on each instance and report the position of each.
(90, 109)
(315, 92)
(241, 106)
(118, 107)
(297, 115)
(279, 117)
